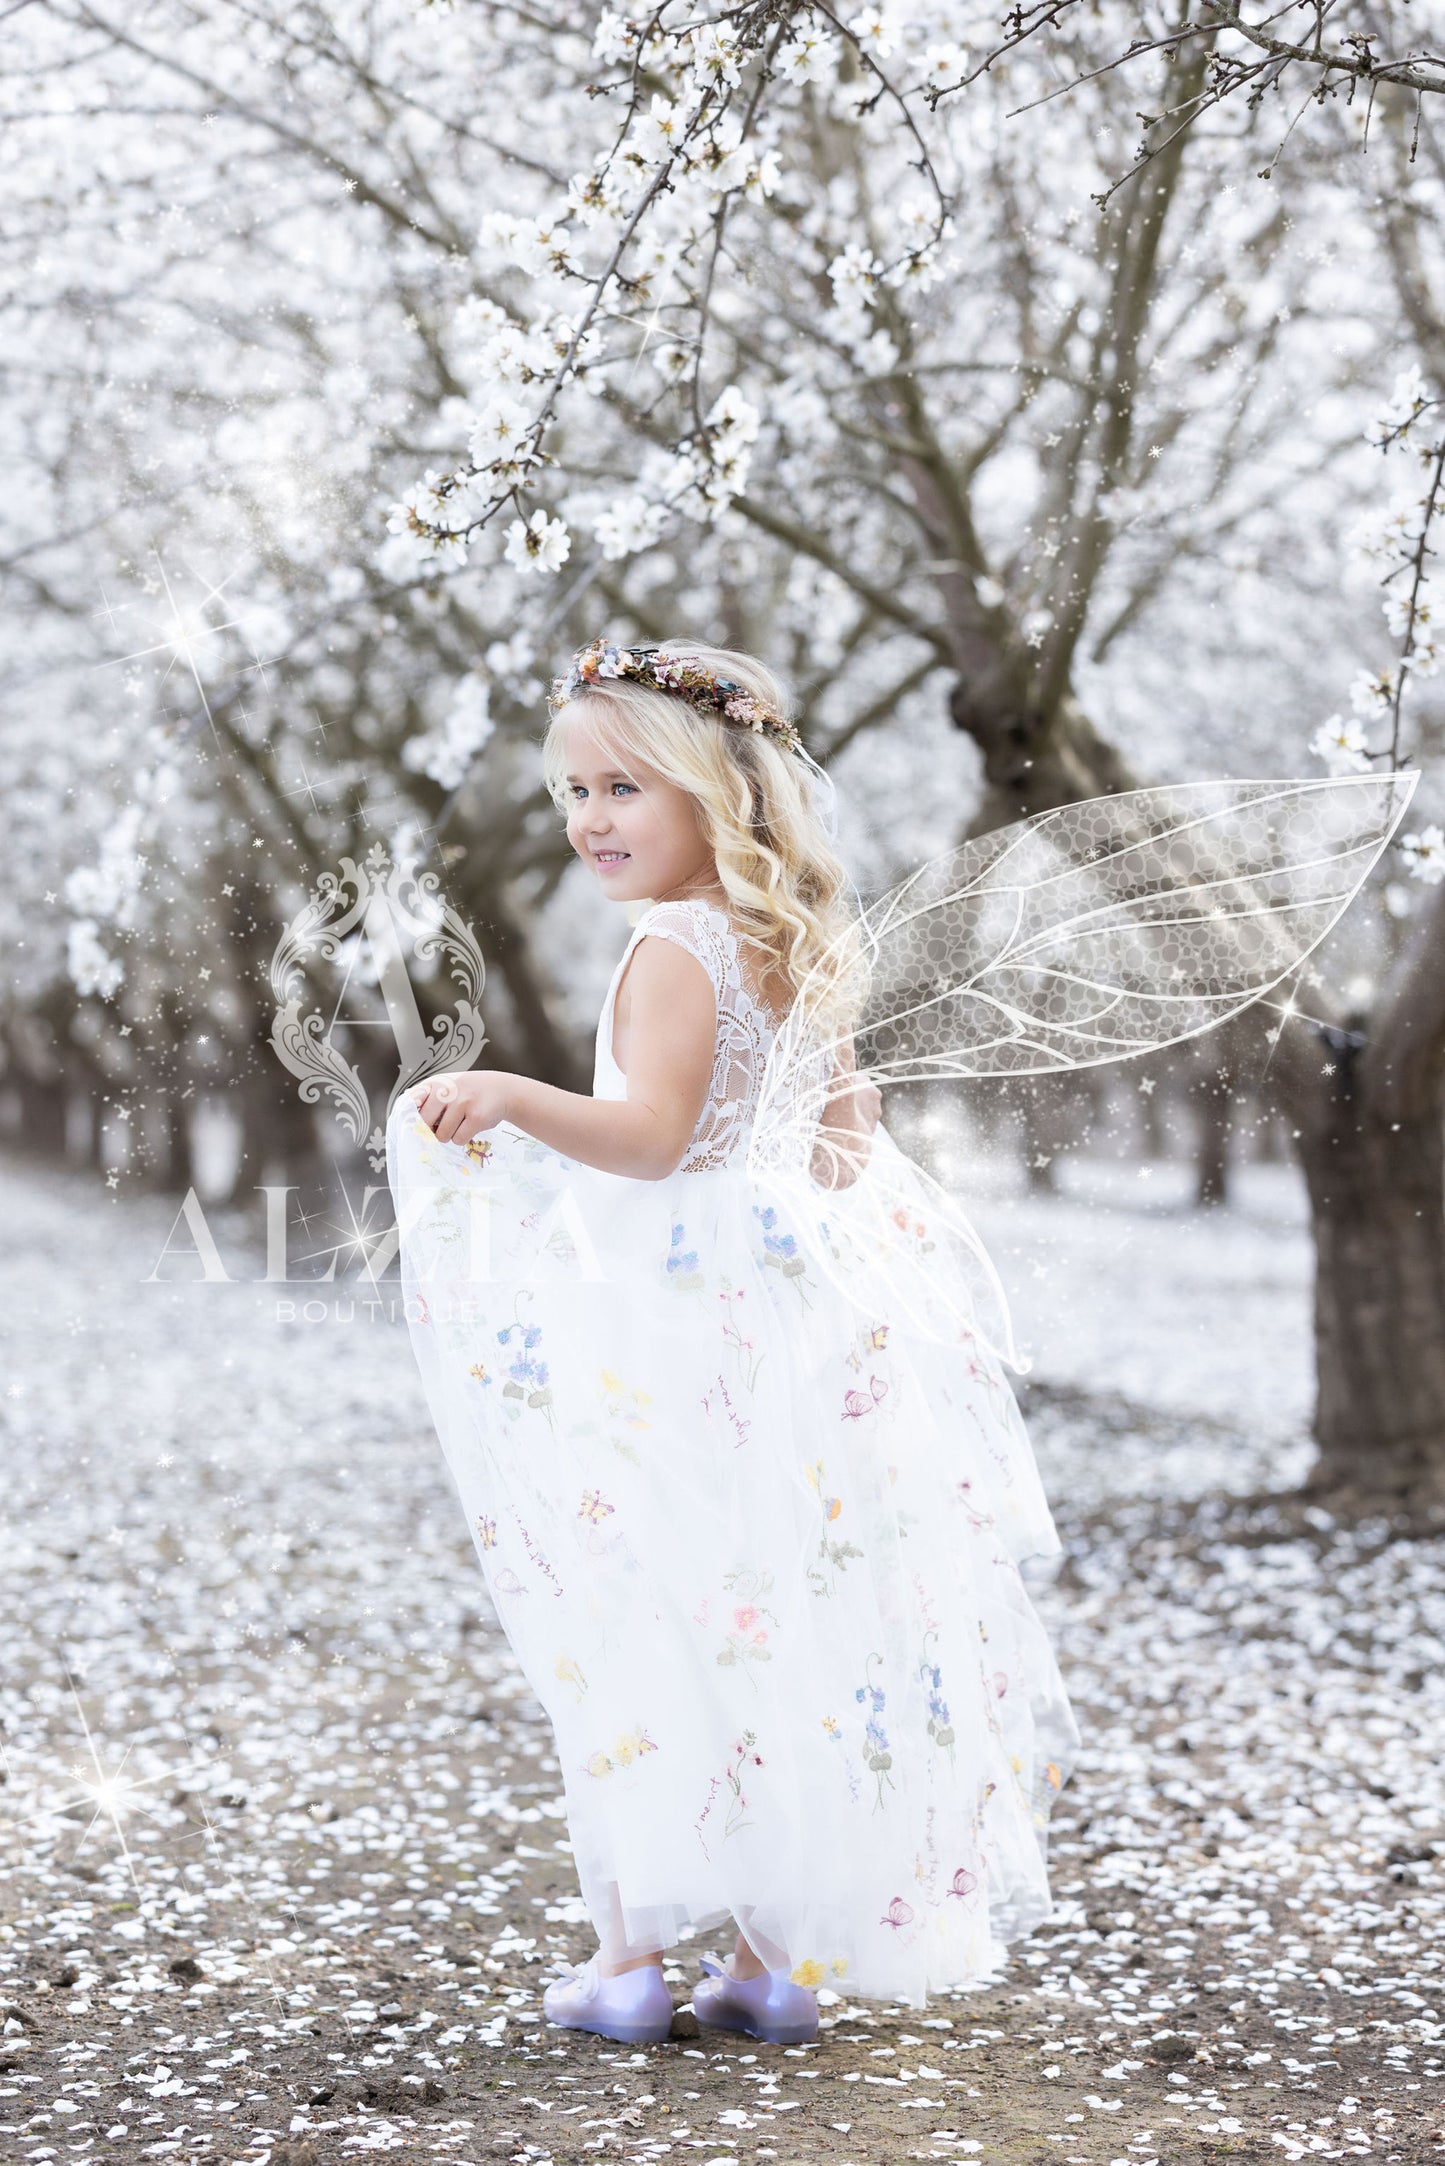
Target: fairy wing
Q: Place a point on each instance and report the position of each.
(1092, 933)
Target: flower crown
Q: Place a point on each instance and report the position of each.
(691, 681)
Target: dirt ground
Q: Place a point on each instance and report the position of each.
(282, 1860)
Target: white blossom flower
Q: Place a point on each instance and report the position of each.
(854, 273)
(477, 319)
(628, 527)
(803, 412)
(445, 754)
(679, 474)
(614, 38)
(763, 176)
(945, 65)
(915, 221)
(1423, 657)
(510, 663)
(875, 31)
(1340, 743)
(594, 196)
(498, 231)
(724, 162)
(91, 969)
(533, 244)
(715, 56)
(659, 132)
(923, 270)
(1411, 392)
(1393, 533)
(1372, 693)
(809, 56)
(876, 354)
(515, 353)
(1397, 611)
(110, 887)
(1424, 853)
(430, 522)
(735, 417)
(541, 545)
(499, 430)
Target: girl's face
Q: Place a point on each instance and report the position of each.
(638, 832)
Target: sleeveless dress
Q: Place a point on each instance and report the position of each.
(754, 1544)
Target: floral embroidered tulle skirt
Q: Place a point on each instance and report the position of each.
(756, 1550)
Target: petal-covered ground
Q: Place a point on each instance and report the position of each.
(281, 1854)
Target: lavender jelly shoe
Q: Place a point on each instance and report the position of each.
(770, 2007)
(635, 2007)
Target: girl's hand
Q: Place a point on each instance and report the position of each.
(853, 1111)
(861, 1108)
(458, 1107)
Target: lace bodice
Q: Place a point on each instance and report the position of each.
(745, 1029)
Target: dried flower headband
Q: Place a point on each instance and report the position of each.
(685, 680)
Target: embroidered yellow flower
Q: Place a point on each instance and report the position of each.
(625, 1404)
(629, 1747)
(809, 1974)
(570, 1673)
(487, 1528)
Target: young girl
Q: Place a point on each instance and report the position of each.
(754, 1542)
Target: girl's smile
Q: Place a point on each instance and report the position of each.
(664, 853)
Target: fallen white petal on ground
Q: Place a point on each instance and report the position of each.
(281, 1845)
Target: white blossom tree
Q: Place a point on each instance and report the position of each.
(458, 333)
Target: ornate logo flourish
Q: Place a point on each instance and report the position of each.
(386, 902)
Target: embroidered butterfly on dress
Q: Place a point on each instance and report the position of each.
(858, 1403)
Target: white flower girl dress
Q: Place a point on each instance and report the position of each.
(756, 1547)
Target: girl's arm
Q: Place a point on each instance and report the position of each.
(672, 1031)
(844, 1141)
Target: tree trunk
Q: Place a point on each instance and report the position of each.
(1377, 1190)
(1371, 1133)
(42, 1114)
(178, 1173)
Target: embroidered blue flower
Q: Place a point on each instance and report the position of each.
(522, 1369)
(678, 1258)
(783, 1245)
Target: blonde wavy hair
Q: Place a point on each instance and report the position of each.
(788, 893)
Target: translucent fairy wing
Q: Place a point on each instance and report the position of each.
(1092, 933)
(1098, 931)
